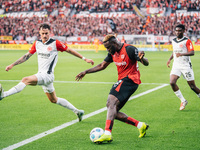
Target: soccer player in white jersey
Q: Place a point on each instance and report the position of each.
(47, 53)
(182, 50)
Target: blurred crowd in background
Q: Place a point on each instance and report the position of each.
(27, 28)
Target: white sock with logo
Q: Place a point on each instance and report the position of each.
(107, 132)
(180, 96)
(139, 125)
(63, 102)
(16, 89)
(198, 95)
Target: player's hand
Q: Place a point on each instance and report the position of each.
(80, 75)
(9, 67)
(141, 54)
(89, 61)
(178, 54)
(168, 63)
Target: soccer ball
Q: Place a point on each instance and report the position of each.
(96, 133)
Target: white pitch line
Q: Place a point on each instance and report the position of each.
(43, 134)
(81, 82)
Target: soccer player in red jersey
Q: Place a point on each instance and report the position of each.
(125, 58)
(47, 52)
(182, 50)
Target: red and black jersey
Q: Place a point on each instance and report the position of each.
(126, 62)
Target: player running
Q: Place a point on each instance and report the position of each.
(182, 50)
(47, 52)
(125, 57)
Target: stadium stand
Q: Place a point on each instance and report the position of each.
(67, 18)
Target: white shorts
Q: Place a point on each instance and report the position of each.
(187, 73)
(46, 81)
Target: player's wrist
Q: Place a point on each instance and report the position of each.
(83, 58)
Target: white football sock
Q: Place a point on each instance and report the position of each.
(16, 89)
(180, 96)
(107, 132)
(63, 102)
(198, 95)
(139, 125)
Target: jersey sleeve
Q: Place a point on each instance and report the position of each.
(108, 58)
(132, 53)
(189, 45)
(61, 46)
(32, 49)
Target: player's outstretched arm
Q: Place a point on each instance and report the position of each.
(168, 62)
(143, 60)
(97, 68)
(19, 61)
(75, 53)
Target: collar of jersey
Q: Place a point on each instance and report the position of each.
(46, 41)
(180, 39)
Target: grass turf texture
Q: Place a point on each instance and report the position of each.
(29, 113)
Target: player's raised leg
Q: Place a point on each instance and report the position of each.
(30, 80)
(1, 92)
(66, 104)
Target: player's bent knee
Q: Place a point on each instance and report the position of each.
(172, 83)
(25, 80)
(53, 100)
(192, 87)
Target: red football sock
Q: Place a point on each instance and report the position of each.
(109, 125)
(132, 121)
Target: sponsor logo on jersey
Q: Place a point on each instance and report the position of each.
(123, 63)
(181, 45)
(43, 55)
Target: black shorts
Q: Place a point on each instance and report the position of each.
(123, 89)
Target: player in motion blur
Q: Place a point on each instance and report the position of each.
(47, 52)
(125, 57)
(182, 50)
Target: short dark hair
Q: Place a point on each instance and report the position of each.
(109, 37)
(180, 26)
(45, 26)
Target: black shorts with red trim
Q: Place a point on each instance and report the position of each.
(123, 89)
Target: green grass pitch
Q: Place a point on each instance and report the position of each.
(30, 113)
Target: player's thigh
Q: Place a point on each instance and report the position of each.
(175, 72)
(188, 74)
(44, 78)
(123, 89)
(30, 80)
(48, 88)
(52, 96)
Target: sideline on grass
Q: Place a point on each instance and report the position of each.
(43, 134)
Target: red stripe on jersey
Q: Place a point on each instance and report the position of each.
(118, 87)
(32, 50)
(61, 46)
(189, 45)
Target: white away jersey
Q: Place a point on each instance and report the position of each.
(183, 45)
(47, 54)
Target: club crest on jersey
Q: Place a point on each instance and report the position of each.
(122, 56)
(181, 45)
(49, 48)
